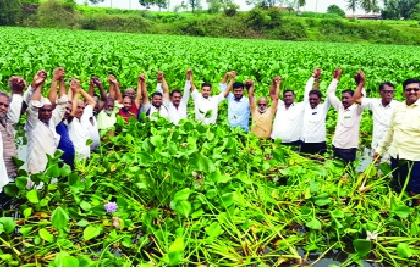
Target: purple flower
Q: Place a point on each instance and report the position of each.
(111, 207)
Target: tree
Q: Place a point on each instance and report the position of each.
(94, 2)
(352, 5)
(56, 13)
(369, 5)
(396, 9)
(336, 10)
(9, 12)
(161, 4)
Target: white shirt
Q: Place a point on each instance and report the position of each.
(4, 179)
(42, 139)
(381, 117)
(314, 120)
(287, 124)
(80, 131)
(346, 134)
(176, 114)
(206, 109)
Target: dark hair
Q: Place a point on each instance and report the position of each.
(176, 91)
(411, 81)
(383, 84)
(156, 94)
(349, 91)
(288, 91)
(316, 92)
(205, 84)
(238, 85)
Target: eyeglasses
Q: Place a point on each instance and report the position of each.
(262, 105)
(412, 89)
(387, 91)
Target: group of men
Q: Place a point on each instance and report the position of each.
(73, 120)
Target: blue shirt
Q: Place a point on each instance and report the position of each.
(65, 144)
(238, 112)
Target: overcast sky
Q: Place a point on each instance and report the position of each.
(311, 5)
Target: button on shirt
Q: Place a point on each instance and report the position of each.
(175, 114)
(381, 117)
(346, 134)
(403, 136)
(206, 109)
(287, 124)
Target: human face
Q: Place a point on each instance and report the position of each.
(176, 99)
(45, 113)
(130, 93)
(4, 106)
(206, 92)
(289, 98)
(80, 109)
(238, 93)
(347, 100)
(157, 101)
(74, 84)
(67, 111)
(387, 94)
(127, 103)
(412, 93)
(314, 100)
(262, 105)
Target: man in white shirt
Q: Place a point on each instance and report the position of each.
(382, 110)
(81, 129)
(41, 125)
(314, 131)
(206, 106)
(346, 134)
(287, 124)
(176, 103)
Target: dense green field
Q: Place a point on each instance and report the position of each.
(205, 196)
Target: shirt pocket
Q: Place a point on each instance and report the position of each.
(315, 116)
(348, 120)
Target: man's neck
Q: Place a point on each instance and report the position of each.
(385, 102)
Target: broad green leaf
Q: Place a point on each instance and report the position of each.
(45, 235)
(362, 247)
(91, 232)
(32, 196)
(60, 218)
(8, 224)
(314, 224)
(404, 250)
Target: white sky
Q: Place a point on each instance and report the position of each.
(311, 5)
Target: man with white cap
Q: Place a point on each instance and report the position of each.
(43, 118)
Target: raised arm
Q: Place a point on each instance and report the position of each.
(114, 89)
(17, 85)
(165, 89)
(139, 94)
(144, 92)
(232, 77)
(88, 98)
(332, 88)
(249, 84)
(274, 93)
(37, 84)
(187, 86)
(316, 75)
(58, 75)
(360, 79)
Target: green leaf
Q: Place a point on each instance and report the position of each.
(177, 245)
(53, 171)
(404, 250)
(85, 205)
(314, 224)
(362, 247)
(214, 230)
(32, 196)
(91, 232)
(27, 212)
(401, 211)
(60, 218)
(8, 224)
(63, 259)
(45, 235)
(183, 194)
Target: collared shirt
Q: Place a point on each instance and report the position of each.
(65, 144)
(106, 120)
(403, 136)
(381, 117)
(42, 138)
(154, 112)
(287, 124)
(262, 122)
(206, 109)
(346, 134)
(314, 120)
(175, 114)
(238, 110)
(81, 130)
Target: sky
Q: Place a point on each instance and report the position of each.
(311, 5)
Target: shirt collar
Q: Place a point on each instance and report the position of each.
(417, 102)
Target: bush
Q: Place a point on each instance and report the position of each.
(115, 23)
(259, 19)
(56, 13)
(334, 9)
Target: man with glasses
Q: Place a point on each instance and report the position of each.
(403, 138)
(382, 109)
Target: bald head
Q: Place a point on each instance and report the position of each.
(262, 104)
(80, 108)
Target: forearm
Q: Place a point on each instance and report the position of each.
(89, 99)
(52, 95)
